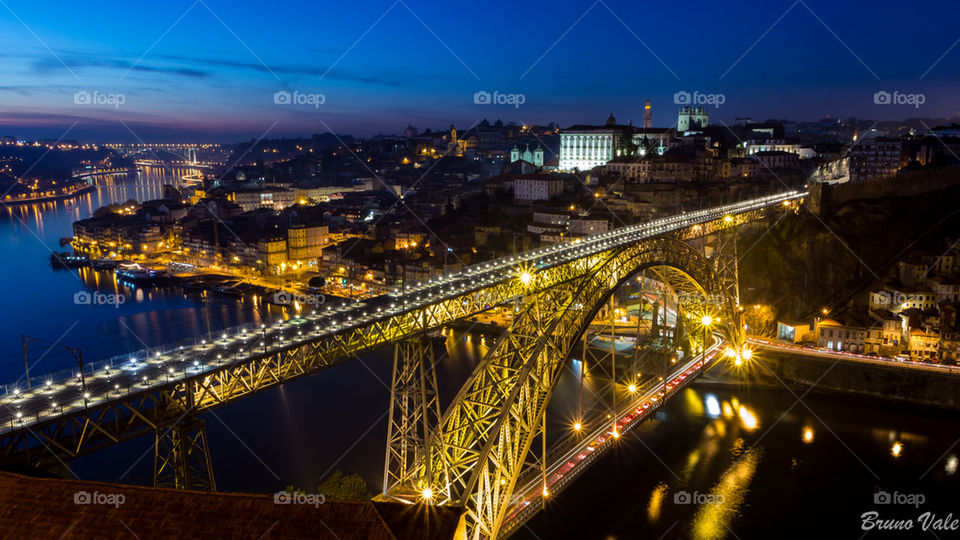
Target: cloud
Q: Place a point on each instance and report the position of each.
(47, 64)
(334, 74)
(201, 68)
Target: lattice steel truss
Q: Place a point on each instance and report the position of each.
(725, 266)
(486, 433)
(414, 412)
(181, 458)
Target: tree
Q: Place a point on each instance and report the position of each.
(339, 487)
(626, 147)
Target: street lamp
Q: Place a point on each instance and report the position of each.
(707, 322)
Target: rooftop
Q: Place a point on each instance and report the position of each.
(53, 508)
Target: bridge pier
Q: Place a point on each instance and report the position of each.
(414, 412)
(725, 263)
(181, 456)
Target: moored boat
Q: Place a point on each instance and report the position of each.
(135, 273)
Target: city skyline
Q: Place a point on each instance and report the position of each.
(206, 71)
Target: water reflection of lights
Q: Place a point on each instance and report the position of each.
(747, 417)
(951, 466)
(713, 406)
(896, 449)
(808, 435)
(693, 403)
(656, 502)
(693, 458)
(712, 520)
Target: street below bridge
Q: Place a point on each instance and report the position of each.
(598, 430)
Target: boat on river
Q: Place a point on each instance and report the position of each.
(134, 273)
(65, 259)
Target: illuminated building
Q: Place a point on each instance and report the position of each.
(534, 157)
(305, 243)
(872, 159)
(537, 188)
(584, 147)
(253, 198)
(691, 118)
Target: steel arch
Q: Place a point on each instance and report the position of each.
(484, 436)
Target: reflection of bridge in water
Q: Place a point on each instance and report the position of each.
(476, 453)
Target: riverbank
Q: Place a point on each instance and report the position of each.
(105, 172)
(10, 201)
(902, 384)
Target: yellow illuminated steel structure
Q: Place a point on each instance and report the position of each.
(479, 449)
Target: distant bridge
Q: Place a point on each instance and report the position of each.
(189, 153)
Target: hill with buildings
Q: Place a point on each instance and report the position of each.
(809, 267)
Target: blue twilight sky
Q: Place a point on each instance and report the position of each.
(209, 69)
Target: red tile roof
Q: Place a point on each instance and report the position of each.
(56, 508)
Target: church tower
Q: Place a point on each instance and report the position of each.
(453, 146)
(647, 115)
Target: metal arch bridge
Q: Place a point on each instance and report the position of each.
(475, 449)
(187, 152)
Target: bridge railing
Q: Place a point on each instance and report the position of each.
(121, 361)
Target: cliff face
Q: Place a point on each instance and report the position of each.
(805, 262)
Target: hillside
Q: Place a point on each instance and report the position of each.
(806, 262)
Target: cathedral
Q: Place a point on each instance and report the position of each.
(534, 157)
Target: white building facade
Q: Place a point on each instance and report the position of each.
(585, 149)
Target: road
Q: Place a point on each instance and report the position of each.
(575, 452)
(852, 357)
